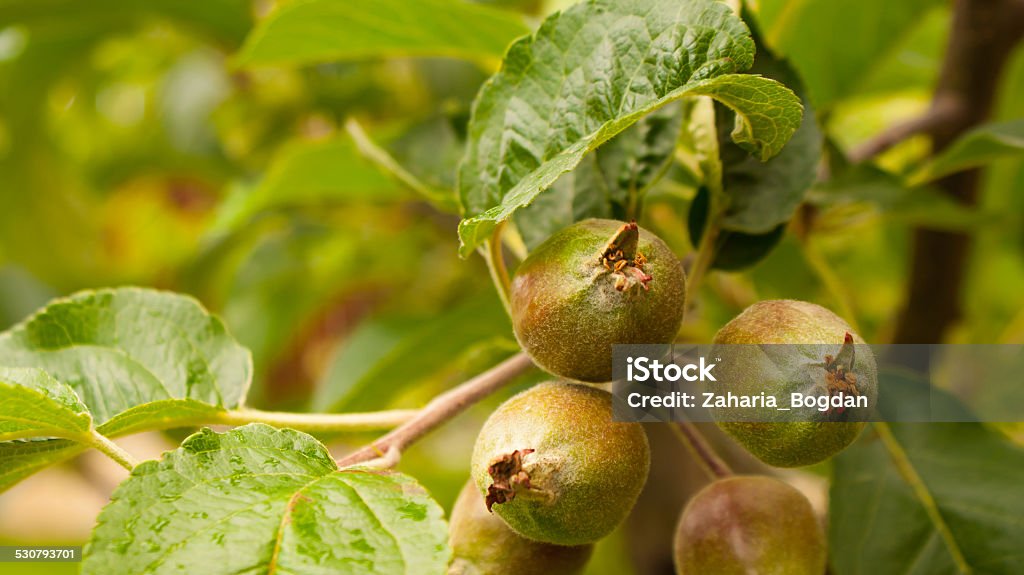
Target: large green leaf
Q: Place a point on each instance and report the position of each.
(324, 30)
(34, 405)
(764, 195)
(879, 525)
(759, 197)
(978, 147)
(835, 44)
(125, 359)
(22, 458)
(593, 71)
(120, 349)
(186, 513)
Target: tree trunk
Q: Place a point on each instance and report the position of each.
(982, 39)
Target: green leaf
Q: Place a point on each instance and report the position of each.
(919, 206)
(127, 359)
(308, 174)
(309, 31)
(879, 526)
(22, 458)
(593, 71)
(34, 405)
(836, 44)
(185, 513)
(762, 195)
(120, 349)
(980, 146)
(733, 250)
(610, 183)
(161, 414)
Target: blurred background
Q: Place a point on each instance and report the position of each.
(138, 148)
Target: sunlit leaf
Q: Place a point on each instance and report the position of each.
(301, 514)
(593, 71)
(120, 349)
(34, 405)
(326, 30)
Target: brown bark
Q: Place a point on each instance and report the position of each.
(982, 38)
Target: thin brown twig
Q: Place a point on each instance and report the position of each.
(715, 466)
(938, 114)
(439, 410)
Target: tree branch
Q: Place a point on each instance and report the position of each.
(714, 465)
(982, 39)
(939, 113)
(439, 410)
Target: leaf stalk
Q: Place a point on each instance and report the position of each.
(320, 422)
(112, 450)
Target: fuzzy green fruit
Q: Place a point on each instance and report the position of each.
(592, 285)
(553, 464)
(822, 358)
(744, 525)
(482, 544)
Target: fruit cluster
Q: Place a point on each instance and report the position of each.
(551, 473)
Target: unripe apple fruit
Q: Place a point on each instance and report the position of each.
(589, 286)
(749, 524)
(823, 358)
(482, 544)
(552, 463)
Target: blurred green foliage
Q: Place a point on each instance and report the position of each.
(138, 147)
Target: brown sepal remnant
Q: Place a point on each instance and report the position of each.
(839, 375)
(620, 256)
(506, 473)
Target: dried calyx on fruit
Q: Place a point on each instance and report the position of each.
(624, 261)
(482, 544)
(821, 358)
(552, 463)
(592, 285)
(749, 525)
